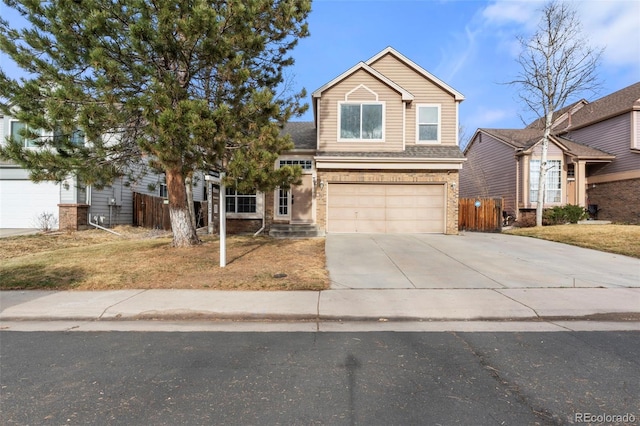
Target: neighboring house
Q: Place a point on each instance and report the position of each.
(594, 160)
(72, 204)
(381, 155)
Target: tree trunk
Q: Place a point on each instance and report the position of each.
(189, 189)
(184, 233)
(542, 183)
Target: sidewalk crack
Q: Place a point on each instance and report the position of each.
(119, 302)
(497, 290)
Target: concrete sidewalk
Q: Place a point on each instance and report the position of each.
(328, 305)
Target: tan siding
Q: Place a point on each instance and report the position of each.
(425, 92)
(361, 94)
(329, 114)
(554, 151)
(490, 171)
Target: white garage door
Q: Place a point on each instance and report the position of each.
(388, 208)
(22, 201)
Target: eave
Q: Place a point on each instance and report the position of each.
(362, 163)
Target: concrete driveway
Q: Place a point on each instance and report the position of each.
(470, 261)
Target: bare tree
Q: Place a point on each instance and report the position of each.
(557, 64)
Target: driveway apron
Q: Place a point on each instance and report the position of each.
(470, 261)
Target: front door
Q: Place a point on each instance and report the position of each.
(302, 200)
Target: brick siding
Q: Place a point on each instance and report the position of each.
(617, 201)
(73, 217)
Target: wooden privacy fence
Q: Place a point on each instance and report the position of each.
(480, 214)
(153, 212)
(150, 212)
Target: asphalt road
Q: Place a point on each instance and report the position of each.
(375, 378)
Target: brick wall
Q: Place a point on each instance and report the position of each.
(73, 217)
(617, 201)
(396, 176)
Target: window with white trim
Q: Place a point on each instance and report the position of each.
(553, 187)
(361, 121)
(304, 164)
(17, 130)
(236, 202)
(283, 202)
(428, 123)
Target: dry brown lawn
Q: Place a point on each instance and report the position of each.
(143, 259)
(620, 239)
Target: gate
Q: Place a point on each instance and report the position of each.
(480, 214)
(151, 212)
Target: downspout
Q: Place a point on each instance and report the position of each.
(264, 213)
(89, 218)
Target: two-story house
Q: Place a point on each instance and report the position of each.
(380, 156)
(593, 157)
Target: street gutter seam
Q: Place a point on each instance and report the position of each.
(318, 312)
(119, 302)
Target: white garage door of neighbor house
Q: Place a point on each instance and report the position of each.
(392, 209)
(22, 201)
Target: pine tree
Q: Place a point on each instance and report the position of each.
(175, 85)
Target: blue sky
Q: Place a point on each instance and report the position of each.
(469, 44)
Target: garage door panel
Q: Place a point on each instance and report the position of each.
(386, 208)
(22, 201)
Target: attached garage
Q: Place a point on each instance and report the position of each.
(386, 208)
(22, 201)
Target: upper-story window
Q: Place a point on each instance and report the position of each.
(428, 123)
(361, 121)
(76, 137)
(17, 134)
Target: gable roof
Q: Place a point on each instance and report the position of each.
(620, 102)
(526, 139)
(426, 74)
(616, 103)
(406, 95)
(558, 116)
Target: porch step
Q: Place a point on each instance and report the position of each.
(302, 230)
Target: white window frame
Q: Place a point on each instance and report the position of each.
(282, 198)
(25, 142)
(361, 103)
(304, 163)
(233, 194)
(439, 124)
(534, 171)
(283, 201)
